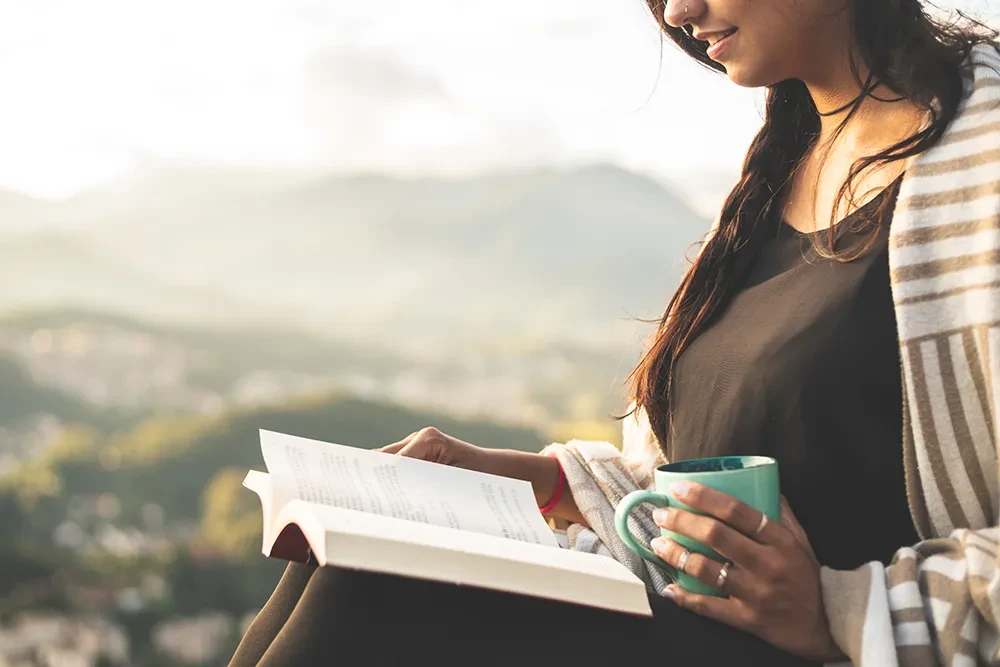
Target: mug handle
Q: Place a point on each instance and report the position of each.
(622, 513)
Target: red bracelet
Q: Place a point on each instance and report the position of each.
(558, 493)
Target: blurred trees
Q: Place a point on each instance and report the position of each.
(230, 517)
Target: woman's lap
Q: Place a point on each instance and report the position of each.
(329, 616)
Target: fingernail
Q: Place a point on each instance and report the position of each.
(678, 489)
(658, 545)
(668, 592)
(660, 515)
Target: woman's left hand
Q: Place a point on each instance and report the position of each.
(773, 581)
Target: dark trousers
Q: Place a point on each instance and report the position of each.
(331, 616)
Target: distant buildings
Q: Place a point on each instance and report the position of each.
(51, 640)
(112, 366)
(195, 640)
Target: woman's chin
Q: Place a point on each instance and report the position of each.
(748, 77)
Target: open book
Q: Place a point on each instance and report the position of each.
(373, 511)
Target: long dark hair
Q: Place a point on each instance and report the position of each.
(919, 57)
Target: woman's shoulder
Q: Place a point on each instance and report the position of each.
(976, 126)
(982, 80)
(985, 52)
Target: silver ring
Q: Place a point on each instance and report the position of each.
(682, 563)
(761, 525)
(723, 575)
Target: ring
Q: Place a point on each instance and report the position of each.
(682, 563)
(723, 575)
(761, 525)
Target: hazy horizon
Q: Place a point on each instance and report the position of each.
(446, 87)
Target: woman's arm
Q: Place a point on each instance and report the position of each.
(543, 473)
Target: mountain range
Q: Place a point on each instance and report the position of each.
(550, 254)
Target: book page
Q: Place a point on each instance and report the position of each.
(402, 488)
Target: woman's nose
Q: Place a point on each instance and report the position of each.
(678, 12)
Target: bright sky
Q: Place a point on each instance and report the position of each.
(94, 87)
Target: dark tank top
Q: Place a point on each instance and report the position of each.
(803, 366)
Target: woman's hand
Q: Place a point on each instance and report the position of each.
(773, 581)
(430, 444)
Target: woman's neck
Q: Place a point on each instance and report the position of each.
(882, 120)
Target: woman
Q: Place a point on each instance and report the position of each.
(864, 235)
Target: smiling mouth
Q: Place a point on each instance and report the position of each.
(721, 36)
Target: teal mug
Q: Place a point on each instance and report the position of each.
(750, 479)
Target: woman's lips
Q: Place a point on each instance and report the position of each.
(716, 50)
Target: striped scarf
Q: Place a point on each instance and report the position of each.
(938, 602)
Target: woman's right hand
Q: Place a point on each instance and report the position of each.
(430, 444)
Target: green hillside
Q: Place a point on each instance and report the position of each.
(171, 460)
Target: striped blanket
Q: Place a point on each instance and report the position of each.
(938, 602)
